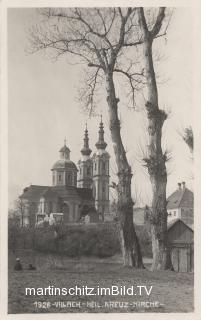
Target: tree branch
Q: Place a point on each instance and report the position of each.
(131, 78)
(142, 21)
(156, 28)
(88, 93)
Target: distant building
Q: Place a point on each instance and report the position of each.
(75, 192)
(139, 215)
(181, 244)
(180, 204)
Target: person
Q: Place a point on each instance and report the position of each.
(18, 265)
(31, 267)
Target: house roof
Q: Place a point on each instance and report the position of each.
(179, 198)
(191, 226)
(174, 221)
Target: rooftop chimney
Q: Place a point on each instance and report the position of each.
(183, 185)
(179, 186)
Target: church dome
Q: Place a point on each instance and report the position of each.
(64, 164)
(64, 149)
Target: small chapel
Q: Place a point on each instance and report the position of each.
(76, 191)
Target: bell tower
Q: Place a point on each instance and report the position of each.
(101, 174)
(64, 171)
(85, 164)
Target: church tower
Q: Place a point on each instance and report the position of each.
(85, 165)
(64, 171)
(101, 174)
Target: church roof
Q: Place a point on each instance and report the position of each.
(86, 151)
(33, 192)
(65, 191)
(49, 193)
(64, 164)
(64, 149)
(85, 194)
(179, 198)
(101, 144)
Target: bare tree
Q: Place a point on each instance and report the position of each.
(156, 160)
(20, 210)
(100, 38)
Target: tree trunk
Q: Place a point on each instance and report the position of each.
(129, 242)
(156, 163)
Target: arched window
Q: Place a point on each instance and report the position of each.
(103, 166)
(69, 179)
(94, 191)
(59, 177)
(88, 171)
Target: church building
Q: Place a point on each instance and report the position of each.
(76, 191)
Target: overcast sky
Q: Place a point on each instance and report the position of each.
(43, 109)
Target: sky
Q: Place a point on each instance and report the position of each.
(43, 109)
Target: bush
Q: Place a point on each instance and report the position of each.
(99, 240)
(80, 240)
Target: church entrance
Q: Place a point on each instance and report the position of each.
(66, 213)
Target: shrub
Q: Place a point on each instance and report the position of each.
(99, 240)
(79, 240)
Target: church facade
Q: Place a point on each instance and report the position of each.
(76, 191)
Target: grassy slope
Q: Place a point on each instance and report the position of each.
(173, 290)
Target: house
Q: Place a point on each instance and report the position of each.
(73, 189)
(180, 204)
(181, 244)
(139, 215)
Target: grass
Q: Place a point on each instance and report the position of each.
(174, 291)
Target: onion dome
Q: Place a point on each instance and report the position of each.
(86, 151)
(64, 162)
(101, 144)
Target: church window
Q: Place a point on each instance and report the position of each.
(103, 189)
(40, 207)
(95, 166)
(66, 212)
(88, 171)
(69, 178)
(94, 191)
(80, 170)
(103, 166)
